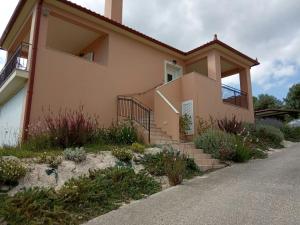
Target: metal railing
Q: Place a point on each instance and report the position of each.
(234, 96)
(132, 109)
(19, 60)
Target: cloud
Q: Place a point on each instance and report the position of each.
(268, 30)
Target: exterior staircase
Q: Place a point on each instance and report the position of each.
(203, 160)
(129, 107)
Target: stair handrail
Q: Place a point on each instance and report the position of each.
(167, 101)
(135, 110)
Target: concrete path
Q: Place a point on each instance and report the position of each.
(259, 192)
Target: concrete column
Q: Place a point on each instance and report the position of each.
(245, 85)
(214, 65)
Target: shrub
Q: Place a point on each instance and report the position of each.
(192, 169)
(185, 122)
(79, 199)
(291, 133)
(77, 155)
(272, 136)
(270, 122)
(232, 125)
(213, 141)
(138, 148)
(123, 154)
(68, 128)
(123, 134)
(242, 153)
(11, 171)
(36, 206)
(203, 125)
(175, 167)
(156, 164)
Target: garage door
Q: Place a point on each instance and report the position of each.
(10, 119)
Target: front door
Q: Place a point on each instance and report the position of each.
(172, 71)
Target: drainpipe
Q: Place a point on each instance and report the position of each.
(32, 72)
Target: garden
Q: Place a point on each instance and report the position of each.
(231, 140)
(69, 170)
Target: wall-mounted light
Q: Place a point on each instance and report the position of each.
(174, 61)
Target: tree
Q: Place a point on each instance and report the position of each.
(292, 99)
(265, 101)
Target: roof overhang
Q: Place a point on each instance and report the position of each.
(21, 13)
(24, 8)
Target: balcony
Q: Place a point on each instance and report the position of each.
(234, 96)
(14, 74)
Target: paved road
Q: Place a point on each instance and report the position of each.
(260, 192)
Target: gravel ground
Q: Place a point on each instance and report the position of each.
(261, 192)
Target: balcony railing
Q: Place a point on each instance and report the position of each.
(234, 96)
(18, 60)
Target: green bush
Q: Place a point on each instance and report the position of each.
(11, 171)
(37, 206)
(121, 134)
(77, 155)
(138, 148)
(291, 133)
(175, 167)
(79, 199)
(270, 135)
(215, 141)
(123, 154)
(270, 122)
(155, 164)
(242, 153)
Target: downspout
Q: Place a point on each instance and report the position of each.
(32, 72)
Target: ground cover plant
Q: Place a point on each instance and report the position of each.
(11, 171)
(79, 199)
(77, 154)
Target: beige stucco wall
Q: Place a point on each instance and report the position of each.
(63, 80)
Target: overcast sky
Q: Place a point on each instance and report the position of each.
(268, 30)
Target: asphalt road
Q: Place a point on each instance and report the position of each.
(259, 192)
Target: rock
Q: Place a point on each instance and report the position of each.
(37, 176)
(11, 158)
(153, 151)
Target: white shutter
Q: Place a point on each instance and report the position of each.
(187, 108)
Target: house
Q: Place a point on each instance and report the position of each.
(61, 55)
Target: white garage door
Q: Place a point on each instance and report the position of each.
(10, 119)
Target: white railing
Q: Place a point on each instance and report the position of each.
(167, 101)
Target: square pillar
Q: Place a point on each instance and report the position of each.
(245, 86)
(214, 65)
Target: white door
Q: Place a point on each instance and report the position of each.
(10, 119)
(188, 109)
(172, 71)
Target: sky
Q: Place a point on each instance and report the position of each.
(268, 30)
